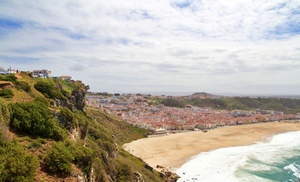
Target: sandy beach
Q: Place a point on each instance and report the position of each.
(173, 150)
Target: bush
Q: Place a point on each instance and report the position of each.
(48, 90)
(15, 163)
(6, 93)
(5, 111)
(34, 118)
(67, 117)
(23, 85)
(10, 78)
(83, 157)
(58, 159)
(34, 145)
(123, 172)
(42, 100)
(42, 140)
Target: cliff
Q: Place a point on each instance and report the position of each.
(48, 134)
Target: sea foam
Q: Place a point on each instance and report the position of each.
(245, 163)
(294, 168)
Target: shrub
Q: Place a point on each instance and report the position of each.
(34, 145)
(58, 159)
(123, 172)
(83, 157)
(68, 117)
(42, 140)
(23, 85)
(5, 111)
(6, 93)
(34, 118)
(42, 100)
(10, 78)
(48, 90)
(15, 163)
(65, 93)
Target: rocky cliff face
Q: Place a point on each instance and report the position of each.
(74, 101)
(79, 100)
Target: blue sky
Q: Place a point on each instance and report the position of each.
(217, 46)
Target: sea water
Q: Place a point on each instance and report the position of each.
(275, 159)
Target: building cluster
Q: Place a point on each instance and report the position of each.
(43, 73)
(7, 71)
(139, 110)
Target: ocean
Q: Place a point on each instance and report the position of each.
(275, 159)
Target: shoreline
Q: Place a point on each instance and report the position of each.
(173, 150)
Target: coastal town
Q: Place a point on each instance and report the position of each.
(141, 110)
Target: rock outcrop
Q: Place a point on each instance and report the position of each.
(138, 177)
(168, 175)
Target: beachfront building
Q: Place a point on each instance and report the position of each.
(160, 131)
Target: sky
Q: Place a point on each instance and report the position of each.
(127, 46)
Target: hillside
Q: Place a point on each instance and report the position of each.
(287, 105)
(48, 134)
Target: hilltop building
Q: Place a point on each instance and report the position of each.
(8, 71)
(67, 78)
(42, 73)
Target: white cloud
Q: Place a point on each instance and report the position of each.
(184, 45)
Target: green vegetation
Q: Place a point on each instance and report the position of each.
(242, 103)
(5, 111)
(47, 88)
(83, 157)
(58, 159)
(174, 102)
(20, 85)
(123, 172)
(6, 93)
(23, 86)
(67, 118)
(16, 165)
(53, 129)
(35, 119)
(9, 77)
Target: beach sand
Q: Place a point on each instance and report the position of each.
(173, 150)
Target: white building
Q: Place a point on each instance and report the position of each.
(42, 73)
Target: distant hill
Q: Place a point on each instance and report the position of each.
(287, 105)
(48, 134)
(200, 93)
